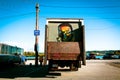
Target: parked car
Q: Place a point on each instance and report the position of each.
(9, 59)
(110, 56)
(91, 56)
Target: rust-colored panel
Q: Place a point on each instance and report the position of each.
(63, 50)
(63, 47)
(63, 56)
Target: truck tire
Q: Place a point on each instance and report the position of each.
(74, 66)
(50, 65)
(71, 67)
(79, 64)
(51, 62)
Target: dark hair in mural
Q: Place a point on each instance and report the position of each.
(65, 32)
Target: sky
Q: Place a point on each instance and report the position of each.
(101, 20)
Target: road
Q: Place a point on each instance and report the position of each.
(94, 70)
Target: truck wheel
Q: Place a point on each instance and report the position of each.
(79, 64)
(50, 65)
(71, 66)
(76, 66)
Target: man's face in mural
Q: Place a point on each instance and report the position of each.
(65, 32)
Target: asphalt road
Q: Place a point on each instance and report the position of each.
(94, 70)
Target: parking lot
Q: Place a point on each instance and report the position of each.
(94, 70)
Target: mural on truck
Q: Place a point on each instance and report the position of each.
(65, 33)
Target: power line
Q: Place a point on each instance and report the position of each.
(103, 18)
(80, 1)
(88, 18)
(16, 15)
(80, 6)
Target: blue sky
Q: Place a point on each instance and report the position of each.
(101, 19)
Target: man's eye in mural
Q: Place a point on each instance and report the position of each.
(65, 32)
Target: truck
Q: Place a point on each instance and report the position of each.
(65, 43)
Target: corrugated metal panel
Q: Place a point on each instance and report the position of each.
(63, 50)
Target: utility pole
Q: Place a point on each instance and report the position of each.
(36, 33)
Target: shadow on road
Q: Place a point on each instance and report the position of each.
(25, 71)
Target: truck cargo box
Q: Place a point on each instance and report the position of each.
(64, 42)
